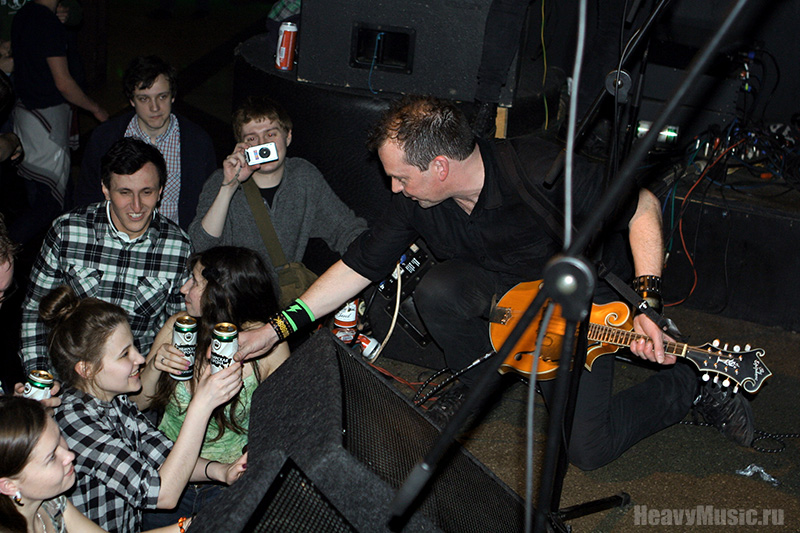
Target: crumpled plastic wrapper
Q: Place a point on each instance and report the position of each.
(755, 470)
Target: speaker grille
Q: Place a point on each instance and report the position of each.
(378, 426)
(294, 505)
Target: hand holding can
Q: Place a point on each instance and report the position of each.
(184, 338)
(224, 344)
(38, 385)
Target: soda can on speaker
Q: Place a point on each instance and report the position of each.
(184, 338)
(287, 40)
(224, 344)
(369, 347)
(38, 385)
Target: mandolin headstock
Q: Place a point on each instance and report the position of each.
(742, 366)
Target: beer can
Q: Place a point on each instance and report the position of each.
(369, 347)
(287, 40)
(184, 338)
(224, 344)
(38, 385)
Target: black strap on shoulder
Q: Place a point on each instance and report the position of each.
(542, 207)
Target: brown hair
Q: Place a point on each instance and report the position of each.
(8, 248)
(260, 108)
(79, 329)
(22, 422)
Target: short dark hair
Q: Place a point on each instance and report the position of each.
(127, 156)
(424, 127)
(142, 73)
(260, 108)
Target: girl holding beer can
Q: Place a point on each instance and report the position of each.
(124, 465)
(229, 285)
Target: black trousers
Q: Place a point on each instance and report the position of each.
(454, 299)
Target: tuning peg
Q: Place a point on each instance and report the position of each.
(706, 377)
(737, 348)
(726, 383)
(715, 343)
(736, 389)
(716, 379)
(747, 347)
(725, 347)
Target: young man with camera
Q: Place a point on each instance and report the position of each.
(299, 202)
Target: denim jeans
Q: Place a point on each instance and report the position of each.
(194, 498)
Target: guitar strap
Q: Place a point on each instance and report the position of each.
(552, 218)
(543, 208)
(625, 290)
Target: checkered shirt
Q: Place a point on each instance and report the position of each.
(283, 9)
(117, 456)
(169, 144)
(82, 250)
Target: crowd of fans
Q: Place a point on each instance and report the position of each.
(120, 445)
(152, 232)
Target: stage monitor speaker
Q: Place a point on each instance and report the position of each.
(330, 443)
(397, 47)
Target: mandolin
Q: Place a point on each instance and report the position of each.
(610, 328)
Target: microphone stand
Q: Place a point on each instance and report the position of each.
(569, 280)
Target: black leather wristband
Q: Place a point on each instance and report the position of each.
(649, 288)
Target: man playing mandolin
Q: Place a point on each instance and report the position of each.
(458, 193)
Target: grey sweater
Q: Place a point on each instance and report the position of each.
(304, 207)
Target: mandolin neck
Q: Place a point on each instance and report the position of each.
(622, 337)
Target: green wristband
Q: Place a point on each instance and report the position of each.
(297, 315)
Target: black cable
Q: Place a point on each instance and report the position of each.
(759, 435)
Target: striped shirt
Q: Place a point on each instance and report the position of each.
(169, 144)
(117, 456)
(83, 250)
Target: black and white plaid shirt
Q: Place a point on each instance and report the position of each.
(83, 250)
(117, 456)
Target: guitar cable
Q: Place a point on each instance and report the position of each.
(759, 435)
(420, 400)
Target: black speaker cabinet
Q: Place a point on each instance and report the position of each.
(330, 444)
(400, 47)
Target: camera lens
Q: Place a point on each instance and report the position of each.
(264, 152)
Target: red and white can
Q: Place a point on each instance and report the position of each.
(287, 40)
(346, 335)
(369, 347)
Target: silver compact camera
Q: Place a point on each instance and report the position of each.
(263, 153)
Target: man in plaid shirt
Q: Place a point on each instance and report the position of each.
(121, 251)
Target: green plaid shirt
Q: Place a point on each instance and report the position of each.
(283, 9)
(83, 250)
